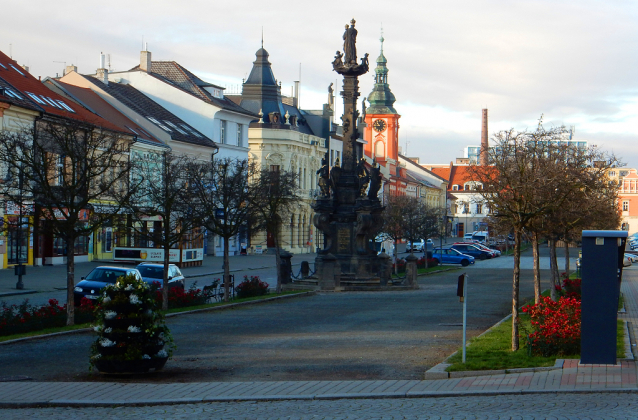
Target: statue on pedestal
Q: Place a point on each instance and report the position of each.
(349, 44)
(324, 178)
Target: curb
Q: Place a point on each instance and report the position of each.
(21, 292)
(213, 308)
(308, 397)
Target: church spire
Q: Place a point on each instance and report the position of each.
(381, 98)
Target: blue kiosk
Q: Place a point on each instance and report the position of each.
(601, 272)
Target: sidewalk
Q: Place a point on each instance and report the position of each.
(46, 278)
(568, 378)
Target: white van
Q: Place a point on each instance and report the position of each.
(468, 236)
(480, 236)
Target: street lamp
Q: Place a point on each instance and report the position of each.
(20, 269)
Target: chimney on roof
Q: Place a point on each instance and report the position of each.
(25, 67)
(145, 60)
(102, 73)
(70, 68)
(484, 141)
(295, 100)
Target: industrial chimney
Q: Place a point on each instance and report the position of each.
(484, 141)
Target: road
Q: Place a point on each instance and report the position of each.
(516, 406)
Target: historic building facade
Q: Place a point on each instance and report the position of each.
(287, 138)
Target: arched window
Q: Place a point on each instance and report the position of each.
(379, 149)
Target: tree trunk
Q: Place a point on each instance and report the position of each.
(226, 270)
(537, 268)
(277, 259)
(70, 282)
(515, 287)
(165, 286)
(553, 264)
(566, 258)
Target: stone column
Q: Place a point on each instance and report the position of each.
(411, 271)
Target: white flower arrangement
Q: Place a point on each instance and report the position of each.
(108, 330)
(133, 329)
(129, 287)
(161, 353)
(97, 356)
(106, 299)
(146, 356)
(134, 299)
(110, 314)
(105, 342)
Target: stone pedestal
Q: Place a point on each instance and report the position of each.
(411, 271)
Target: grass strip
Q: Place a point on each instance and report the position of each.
(492, 351)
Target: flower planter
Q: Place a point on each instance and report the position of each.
(130, 366)
(137, 330)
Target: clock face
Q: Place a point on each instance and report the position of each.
(379, 125)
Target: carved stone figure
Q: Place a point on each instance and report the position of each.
(349, 44)
(363, 109)
(324, 178)
(375, 181)
(364, 177)
(337, 61)
(335, 173)
(330, 89)
(364, 61)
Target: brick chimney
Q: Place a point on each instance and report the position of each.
(484, 141)
(145, 61)
(70, 68)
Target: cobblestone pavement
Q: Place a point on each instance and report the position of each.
(516, 406)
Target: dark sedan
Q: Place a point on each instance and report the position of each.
(90, 287)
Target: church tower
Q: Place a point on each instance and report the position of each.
(382, 120)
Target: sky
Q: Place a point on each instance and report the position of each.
(571, 61)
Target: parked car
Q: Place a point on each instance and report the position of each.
(419, 246)
(472, 250)
(632, 257)
(153, 272)
(90, 287)
(468, 236)
(626, 262)
(493, 252)
(449, 255)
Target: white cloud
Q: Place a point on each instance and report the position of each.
(570, 60)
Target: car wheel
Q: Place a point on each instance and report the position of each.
(465, 263)
(436, 260)
(482, 257)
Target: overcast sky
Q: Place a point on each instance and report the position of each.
(573, 61)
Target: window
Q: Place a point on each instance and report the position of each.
(455, 187)
(274, 168)
(35, 98)
(60, 169)
(612, 173)
(222, 131)
(466, 208)
(65, 106)
(159, 124)
(3, 66)
(623, 173)
(479, 208)
(11, 93)
(16, 69)
(625, 206)
(179, 130)
(239, 134)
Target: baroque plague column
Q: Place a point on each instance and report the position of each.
(348, 210)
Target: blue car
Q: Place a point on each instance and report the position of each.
(90, 287)
(451, 256)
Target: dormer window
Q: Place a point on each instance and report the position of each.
(455, 187)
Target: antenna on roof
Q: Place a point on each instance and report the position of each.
(262, 37)
(11, 49)
(108, 57)
(64, 62)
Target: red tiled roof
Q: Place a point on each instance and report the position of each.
(102, 108)
(456, 175)
(41, 98)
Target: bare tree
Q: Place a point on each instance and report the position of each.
(523, 181)
(65, 166)
(274, 199)
(224, 191)
(420, 221)
(164, 190)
